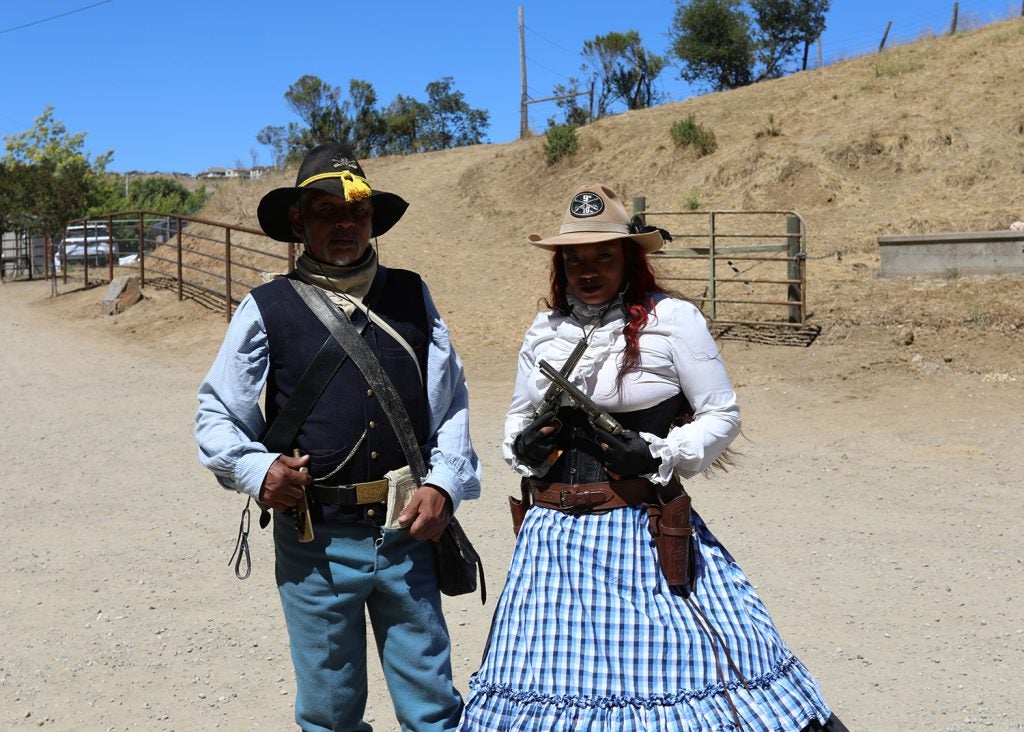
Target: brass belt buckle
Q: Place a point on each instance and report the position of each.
(373, 492)
(562, 494)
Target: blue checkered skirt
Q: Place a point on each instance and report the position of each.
(588, 637)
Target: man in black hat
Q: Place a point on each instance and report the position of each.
(367, 544)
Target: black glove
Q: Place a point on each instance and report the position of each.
(628, 453)
(531, 446)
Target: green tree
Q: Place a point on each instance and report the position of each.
(44, 199)
(623, 70)
(316, 104)
(406, 125)
(367, 124)
(712, 39)
(50, 176)
(403, 120)
(719, 44)
(276, 138)
(786, 27)
(7, 193)
(164, 195)
(568, 99)
(451, 122)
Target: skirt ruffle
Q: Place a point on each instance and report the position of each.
(588, 637)
(777, 702)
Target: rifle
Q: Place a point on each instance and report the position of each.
(597, 416)
(554, 393)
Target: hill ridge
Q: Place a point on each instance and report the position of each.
(924, 137)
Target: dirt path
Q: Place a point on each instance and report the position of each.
(877, 507)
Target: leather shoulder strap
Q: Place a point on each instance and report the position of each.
(280, 433)
(352, 342)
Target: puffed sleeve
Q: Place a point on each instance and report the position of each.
(520, 411)
(691, 448)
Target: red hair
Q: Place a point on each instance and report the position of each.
(638, 288)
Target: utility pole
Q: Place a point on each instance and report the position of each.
(524, 127)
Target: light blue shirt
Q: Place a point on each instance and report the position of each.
(229, 420)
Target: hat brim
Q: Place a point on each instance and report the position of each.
(650, 241)
(272, 212)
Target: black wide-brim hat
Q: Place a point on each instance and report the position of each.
(329, 167)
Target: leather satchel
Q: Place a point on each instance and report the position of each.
(458, 563)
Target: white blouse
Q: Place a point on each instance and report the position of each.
(676, 353)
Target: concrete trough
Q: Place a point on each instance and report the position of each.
(946, 255)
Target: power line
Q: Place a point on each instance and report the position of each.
(548, 40)
(54, 17)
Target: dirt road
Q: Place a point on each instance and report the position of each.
(877, 506)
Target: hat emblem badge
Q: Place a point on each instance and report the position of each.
(586, 204)
(340, 162)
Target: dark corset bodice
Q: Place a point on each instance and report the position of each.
(580, 461)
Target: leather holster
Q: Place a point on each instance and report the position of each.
(673, 537)
(519, 506)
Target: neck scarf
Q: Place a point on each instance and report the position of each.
(345, 286)
(586, 314)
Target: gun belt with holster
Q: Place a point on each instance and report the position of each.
(668, 514)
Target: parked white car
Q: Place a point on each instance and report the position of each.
(92, 240)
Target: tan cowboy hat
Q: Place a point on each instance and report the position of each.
(596, 214)
(332, 168)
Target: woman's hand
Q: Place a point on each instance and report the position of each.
(537, 441)
(626, 453)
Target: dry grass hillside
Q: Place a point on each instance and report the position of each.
(927, 137)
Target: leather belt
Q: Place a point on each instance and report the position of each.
(352, 494)
(593, 497)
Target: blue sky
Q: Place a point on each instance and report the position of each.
(186, 85)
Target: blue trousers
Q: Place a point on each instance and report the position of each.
(327, 587)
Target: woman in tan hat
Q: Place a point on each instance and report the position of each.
(622, 612)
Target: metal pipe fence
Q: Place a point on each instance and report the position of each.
(751, 265)
(207, 261)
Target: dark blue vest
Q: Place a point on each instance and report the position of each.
(347, 412)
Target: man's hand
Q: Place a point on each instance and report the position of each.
(537, 441)
(427, 514)
(283, 483)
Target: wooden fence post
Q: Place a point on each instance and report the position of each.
(227, 273)
(110, 248)
(712, 249)
(952, 23)
(181, 291)
(639, 206)
(142, 249)
(885, 35)
(794, 268)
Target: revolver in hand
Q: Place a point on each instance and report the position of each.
(597, 416)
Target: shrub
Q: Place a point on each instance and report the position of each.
(560, 141)
(688, 133)
(770, 131)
